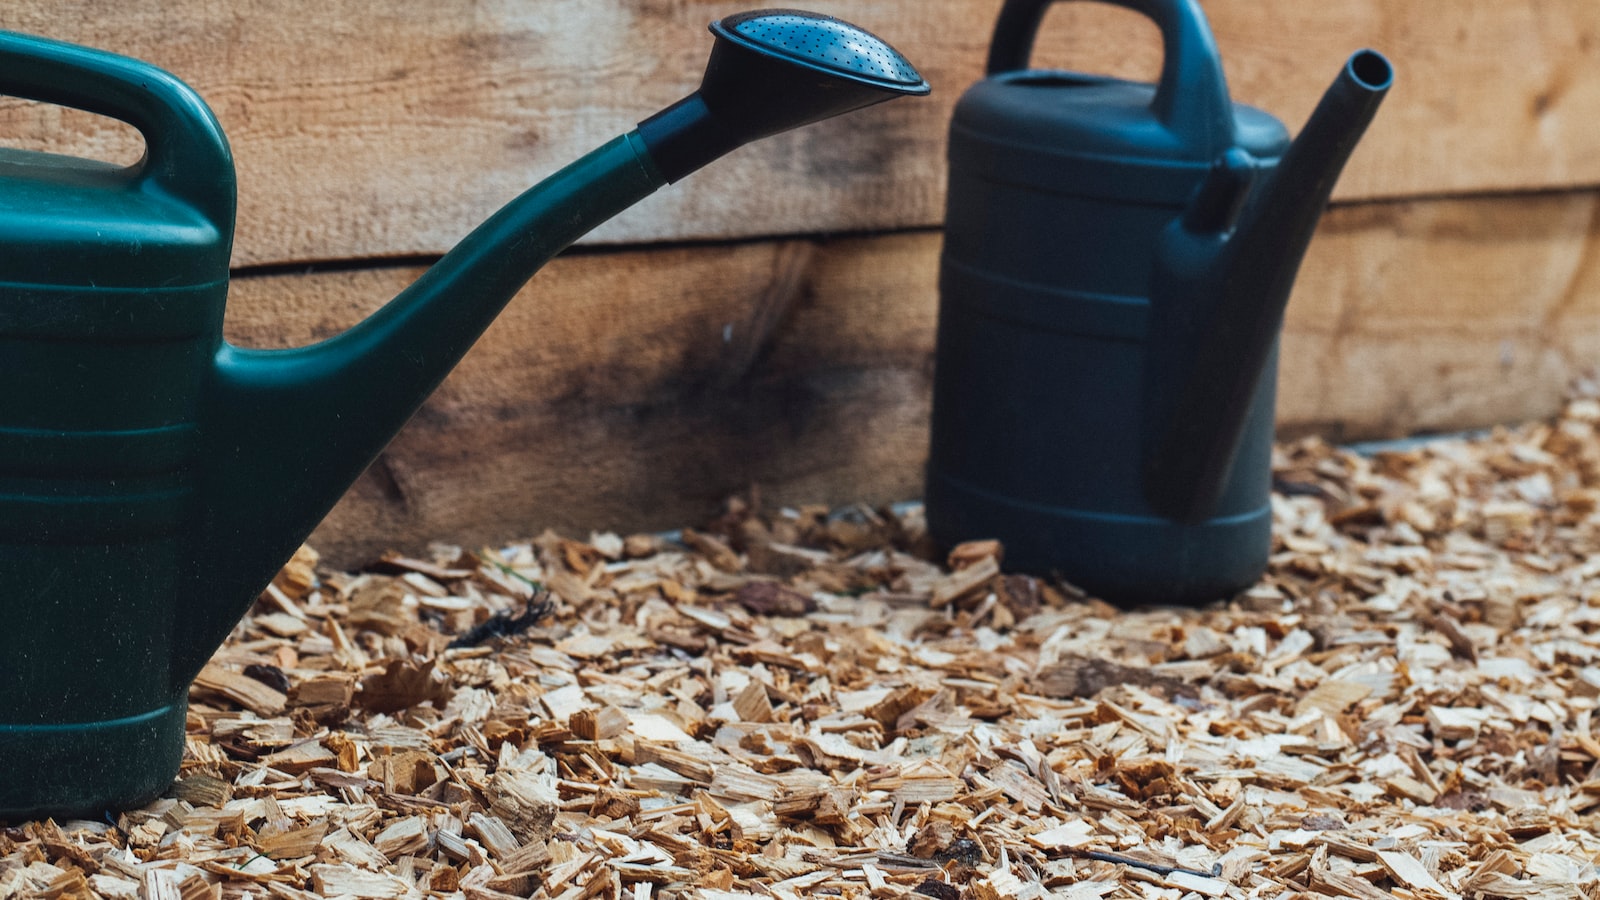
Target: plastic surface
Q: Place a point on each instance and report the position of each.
(152, 477)
(112, 284)
(835, 47)
(1101, 137)
(770, 71)
(1216, 344)
(1190, 99)
(1115, 264)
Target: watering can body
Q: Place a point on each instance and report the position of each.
(112, 288)
(1087, 237)
(153, 477)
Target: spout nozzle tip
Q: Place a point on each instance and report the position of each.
(1371, 70)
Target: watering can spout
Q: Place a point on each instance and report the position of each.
(285, 432)
(1249, 243)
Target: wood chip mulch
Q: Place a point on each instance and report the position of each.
(796, 704)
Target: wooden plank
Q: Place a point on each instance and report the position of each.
(638, 389)
(365, 131)
(633, 391)
(1440, 315)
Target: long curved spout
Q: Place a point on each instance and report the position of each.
(1245, 293)
(285, 432)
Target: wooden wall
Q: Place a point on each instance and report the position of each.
(769, 321)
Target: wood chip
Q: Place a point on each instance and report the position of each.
(1452, 724)
(343, 881)
(1341, 885)
(1333, 697)
(1408, 871)
(402, 837)
(525, 801)
(242, 689)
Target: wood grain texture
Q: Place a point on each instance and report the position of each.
(1425, 316)
(638, 389)
(374, 130)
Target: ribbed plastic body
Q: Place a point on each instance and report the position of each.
(1060, 187)
(112, 285)
(98, 441)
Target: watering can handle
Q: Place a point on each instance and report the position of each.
(1192, 95)
(186, 154)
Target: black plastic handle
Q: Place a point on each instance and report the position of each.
(186, 154)
(1191, 97)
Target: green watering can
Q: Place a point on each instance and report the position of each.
(1118, 257)
(154, 478)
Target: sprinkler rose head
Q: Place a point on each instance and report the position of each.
(770, 71)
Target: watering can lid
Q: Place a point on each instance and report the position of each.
(77, 223)
(1099, 116)
(1118, 140)
(1096, 135)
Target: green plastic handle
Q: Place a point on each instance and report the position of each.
(1192, 94)
(186, 154)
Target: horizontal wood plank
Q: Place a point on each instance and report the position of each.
(638, 389)
(1435, 316)
(391, 129)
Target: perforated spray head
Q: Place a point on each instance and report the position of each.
(772, 70)
(825, 43)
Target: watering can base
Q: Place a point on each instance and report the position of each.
(86, 769)
(1124, 559)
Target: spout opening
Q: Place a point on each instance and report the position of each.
(1371, 70)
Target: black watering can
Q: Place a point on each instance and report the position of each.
(153, 478)
(1116, 264)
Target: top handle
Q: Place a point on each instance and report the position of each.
(186, 154)
(1192, 96)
